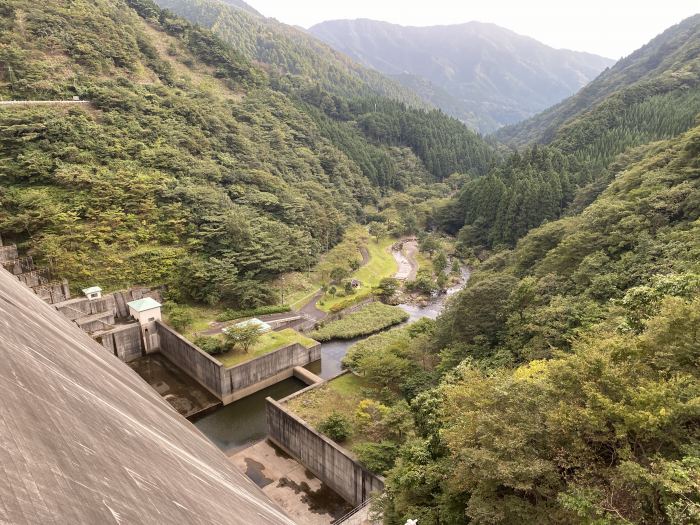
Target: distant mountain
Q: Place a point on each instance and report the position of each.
(480, 73)
(288, 52)
(638, 93)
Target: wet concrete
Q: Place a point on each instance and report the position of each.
(242, 423)
(254, 470)
(290, 485)
(183, 393)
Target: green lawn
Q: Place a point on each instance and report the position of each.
(340, 395)
(201, 317)
(269, 342)
(380, 265)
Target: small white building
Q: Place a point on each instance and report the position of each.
(94, 292)
(147, 311)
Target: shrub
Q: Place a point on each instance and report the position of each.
(180, 318)
(387, 288)
(336, 426)
(424, 283)
(377, 457)
(244, 336)
(230, 315)
(211, 345)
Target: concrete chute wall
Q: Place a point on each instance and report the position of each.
(330, 462)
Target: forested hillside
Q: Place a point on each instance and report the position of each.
(483, 74)
(190, 166)
(652, 94)
(295, 60)
(640, 98)
(568, 368)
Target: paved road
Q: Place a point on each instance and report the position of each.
(310, 310)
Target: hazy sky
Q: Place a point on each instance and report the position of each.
(612, 28)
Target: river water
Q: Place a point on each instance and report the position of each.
(242, 423)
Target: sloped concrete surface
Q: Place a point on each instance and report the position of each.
(84, 440)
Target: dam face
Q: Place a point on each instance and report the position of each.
(84, 439)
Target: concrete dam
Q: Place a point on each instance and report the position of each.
(85, 440)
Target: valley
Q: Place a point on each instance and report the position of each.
(360, 273)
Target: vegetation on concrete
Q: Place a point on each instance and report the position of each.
(229, 355)
(230, 315)
(369, 319)
(369, 428)
(336, 426)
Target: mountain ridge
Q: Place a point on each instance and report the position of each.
(672, 54)
(474, 62)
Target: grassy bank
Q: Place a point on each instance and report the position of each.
(370, 319)
(381, 264)
(340, 396)
(269, 342)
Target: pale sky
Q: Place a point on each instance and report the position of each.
(612, 28)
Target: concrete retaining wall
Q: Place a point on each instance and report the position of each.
(236, 382)
(254, 375)
(34, 278)
(115, 302)
(8, 253)
(53, 292)
(18, 266)
(194, 361)
(123, 341)
(330, 462)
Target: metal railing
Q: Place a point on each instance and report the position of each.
(353, 512)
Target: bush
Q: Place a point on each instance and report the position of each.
(424, 283)
(336, 426)
(377, 457)
(211, 345)
(368, 320)
(387, 288)
(230, 315)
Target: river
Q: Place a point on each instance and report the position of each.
(242, 423)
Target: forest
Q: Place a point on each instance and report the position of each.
(561, 385)
(189, 165)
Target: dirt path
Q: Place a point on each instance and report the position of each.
(365, 256)
(406, 259)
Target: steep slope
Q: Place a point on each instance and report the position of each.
(188, 166)
(665, 72)
(498, 77)
(295, 59)
(541, 183)
(570, 367)
(86, 440)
